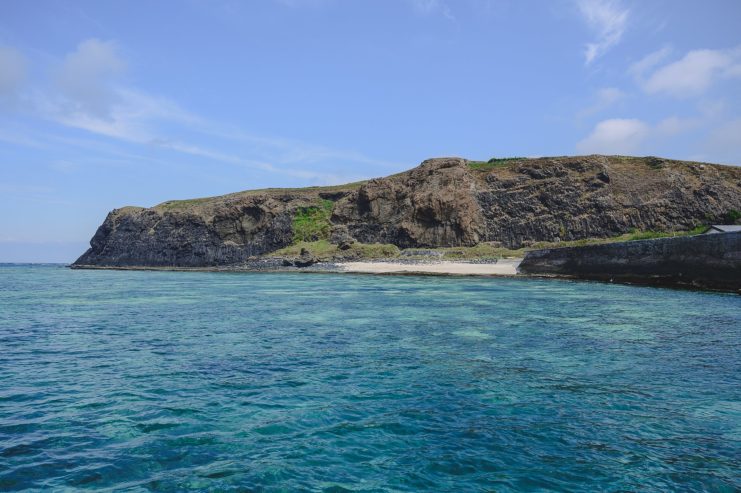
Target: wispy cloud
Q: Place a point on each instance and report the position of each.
(608, 20)
(131, 115)
(86, 93)
(287, 151)
(604, 99)
(648, 62)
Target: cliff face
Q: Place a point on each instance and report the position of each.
(598, 196)
(197, 234)
(434, 204)
(442, 202)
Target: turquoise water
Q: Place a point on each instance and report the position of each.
(170, 381)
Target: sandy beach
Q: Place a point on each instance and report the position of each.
(500, 268)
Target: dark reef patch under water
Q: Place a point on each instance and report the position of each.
(170, 381)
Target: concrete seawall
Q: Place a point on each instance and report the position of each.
(706, 262)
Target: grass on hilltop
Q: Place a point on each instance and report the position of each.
(172, 205)
(181, 204)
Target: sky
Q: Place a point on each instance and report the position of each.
(115, 103)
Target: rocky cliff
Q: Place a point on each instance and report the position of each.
(710, 261)
(442, 202)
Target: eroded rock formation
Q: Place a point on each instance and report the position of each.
(433, 204)
(442, 202)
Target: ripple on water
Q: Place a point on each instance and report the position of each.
(280, 382)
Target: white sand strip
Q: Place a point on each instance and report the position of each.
(501, 268)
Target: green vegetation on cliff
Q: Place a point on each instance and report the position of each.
(312, 223)
(731, 217)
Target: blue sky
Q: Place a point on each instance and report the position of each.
(106, 104)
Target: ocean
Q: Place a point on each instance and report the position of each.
(205, 381)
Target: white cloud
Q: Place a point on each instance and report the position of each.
(12, 72)
(694, 73)
(608, 20)
(615, 136)
(605, 98)
(630, 136)
(85, 78)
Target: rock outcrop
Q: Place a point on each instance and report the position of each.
(442, 202)
(710, 261)
(434, 204)
(195, 234)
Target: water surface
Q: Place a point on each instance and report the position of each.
(172, 381)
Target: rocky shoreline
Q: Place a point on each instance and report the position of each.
(708, 262)
(703, 262)
(380, 266)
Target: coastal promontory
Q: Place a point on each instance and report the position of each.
(443, 202)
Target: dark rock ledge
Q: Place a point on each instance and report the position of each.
(710, 261)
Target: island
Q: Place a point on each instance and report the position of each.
(449, 210)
